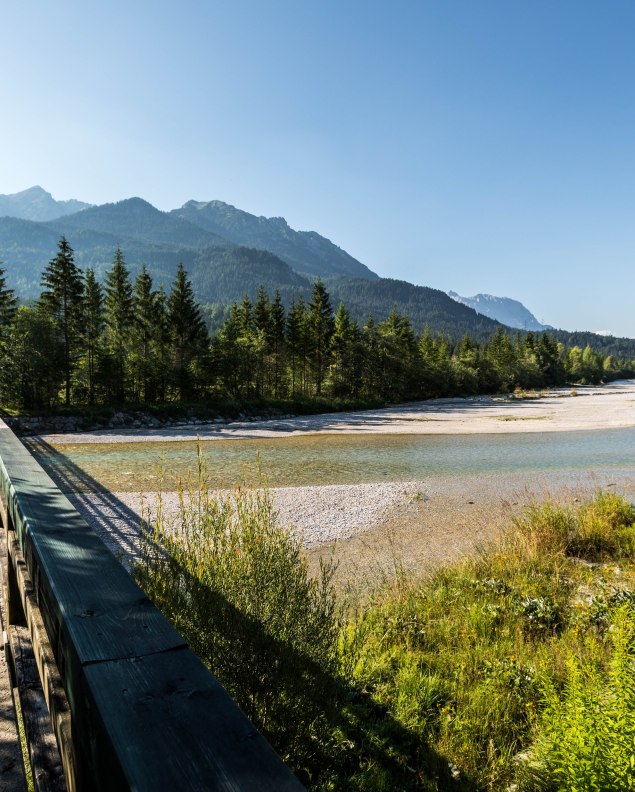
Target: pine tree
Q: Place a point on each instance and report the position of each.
(93, 329)
(146, 336)
(297, 344)
(118, 305)
(187, 332)
(276, 342)
(62, 300)
(8, 303)
(320, 330)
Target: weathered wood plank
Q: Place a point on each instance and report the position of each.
(171, 700)
(46, 765)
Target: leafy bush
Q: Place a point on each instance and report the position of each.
(235, 585)
(586, 735)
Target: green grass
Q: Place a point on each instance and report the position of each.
(510, 668)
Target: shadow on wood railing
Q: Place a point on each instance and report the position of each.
(131, 706)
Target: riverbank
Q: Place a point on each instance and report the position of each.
(370, 529)
(420, 524)
(558, 410)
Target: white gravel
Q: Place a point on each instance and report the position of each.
(318, 514)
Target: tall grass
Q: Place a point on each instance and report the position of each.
(233, 581)
(513, 668)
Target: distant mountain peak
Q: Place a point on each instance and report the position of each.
(307, 252)
(35, 203)
(506, 310)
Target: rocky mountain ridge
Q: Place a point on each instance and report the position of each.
(503, 309)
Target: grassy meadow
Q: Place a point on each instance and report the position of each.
(509, 671)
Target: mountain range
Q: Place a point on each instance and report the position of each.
(37, 204)
(229, 253)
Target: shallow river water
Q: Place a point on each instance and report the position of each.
(344, 459)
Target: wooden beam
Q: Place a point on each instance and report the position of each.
(140, 710)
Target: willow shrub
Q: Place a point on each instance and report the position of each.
(234, 583)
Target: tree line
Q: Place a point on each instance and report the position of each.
(125, 341)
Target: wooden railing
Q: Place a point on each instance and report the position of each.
(131, 707)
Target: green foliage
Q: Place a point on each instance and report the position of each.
(62, 301)
(94, 323)
(234, 583)
(586, 731)
(188, 334)
(33, 368)
(601, 529)
(319, 328)
(148, 356)
(477, 661)
(119, 316)
(128, 345)
(8, 303)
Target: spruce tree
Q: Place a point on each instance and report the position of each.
(62, 300)
(296, 344)
(320, 328)
(119, 314)
(162, 343)
(35, 365)
(261, 338)
(276, 342)
(93, 329)
(342, 351)
(8, 303)
(227, 353)
(146, 333)
(370, 365)
(187, 332)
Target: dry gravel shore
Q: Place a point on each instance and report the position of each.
(319, 515)
(608, 407)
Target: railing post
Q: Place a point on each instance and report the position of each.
(13, 606)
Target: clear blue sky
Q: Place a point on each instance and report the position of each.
(474, 145)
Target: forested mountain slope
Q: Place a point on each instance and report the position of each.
(229, 253)
(163, 239)
(306, 252)
(424, 306)
(136, 219)
(226, 276)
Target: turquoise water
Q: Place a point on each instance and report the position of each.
(344, 459)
